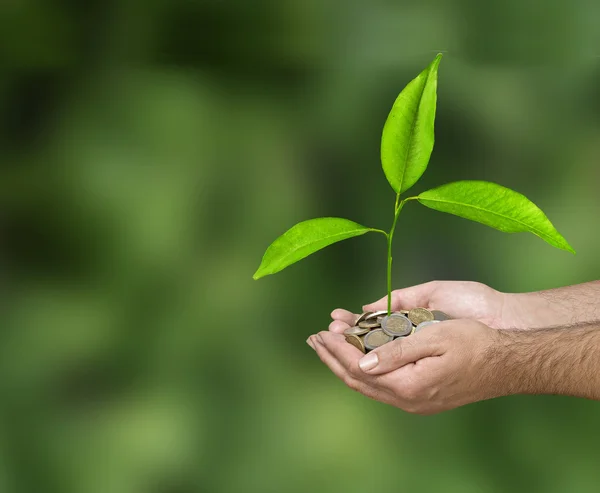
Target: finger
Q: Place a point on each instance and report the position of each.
(414, 296)
(335, 366)
(345, 353)
(338, 326)
(342, 373)
(345, 316)
(402, 351)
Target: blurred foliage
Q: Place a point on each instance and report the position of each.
(150, 151)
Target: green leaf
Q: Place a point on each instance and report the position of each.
(495, 206)
(407, 140)
(305, 238)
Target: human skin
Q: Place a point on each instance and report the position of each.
(499, 344)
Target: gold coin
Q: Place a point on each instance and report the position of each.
(376, 338)
(362, 317)
(396, 325)
(418, 315)
(369, 324)
(356, 342)
(356, 331)
(440, 315)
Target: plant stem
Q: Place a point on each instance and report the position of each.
(398, 208)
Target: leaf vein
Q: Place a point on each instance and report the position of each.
(410, 135)
(290, 253)
(532, 228)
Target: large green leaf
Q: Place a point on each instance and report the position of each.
(495, 206)
(305, 238)
(407, 140)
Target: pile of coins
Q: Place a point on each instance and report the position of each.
(374, 329)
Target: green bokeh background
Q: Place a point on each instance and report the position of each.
(149, 153)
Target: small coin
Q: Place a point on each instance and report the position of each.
(418, 315)
(356, 342)
(425, 324)
(369, 324)
(362, 317)
(404, 312)
(440, 315)
(356, 331)
(376, 338)
(376, 314)
(380, 319)
(396, 325)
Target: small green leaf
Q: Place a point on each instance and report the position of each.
(407, 140)
(495, 206)
(305, 238)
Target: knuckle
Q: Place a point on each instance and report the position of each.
(393, 351)
(422, 411)
(350, 382)
(410, 409)
(410, 392)
(438, 334)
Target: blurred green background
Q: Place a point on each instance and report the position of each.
(149, 153)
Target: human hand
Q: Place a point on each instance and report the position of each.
(459, 299)
(441, 367)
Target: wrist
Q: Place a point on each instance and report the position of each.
(531, 311)
(566, 306)
(515, 362)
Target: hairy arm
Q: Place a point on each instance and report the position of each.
(457, 362)
(563, 361)
(570, 305)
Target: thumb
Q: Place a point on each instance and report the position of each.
(411, 297)
(399, 353)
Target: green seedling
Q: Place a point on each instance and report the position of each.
(406, 147)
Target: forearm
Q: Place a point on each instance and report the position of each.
(569, 305)
(563, 361)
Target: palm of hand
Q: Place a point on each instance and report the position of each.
(472, 300)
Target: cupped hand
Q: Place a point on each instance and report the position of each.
(459, 299)
(441, 367)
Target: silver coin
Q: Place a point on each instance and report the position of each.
(379, 313)
(357, 331)
(440, 316)
(376, 338)
(396, 325)
(425, 324)
(362, 317)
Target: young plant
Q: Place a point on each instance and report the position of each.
(406, 147)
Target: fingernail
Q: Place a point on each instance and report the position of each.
(310, 343)
(368, 362)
